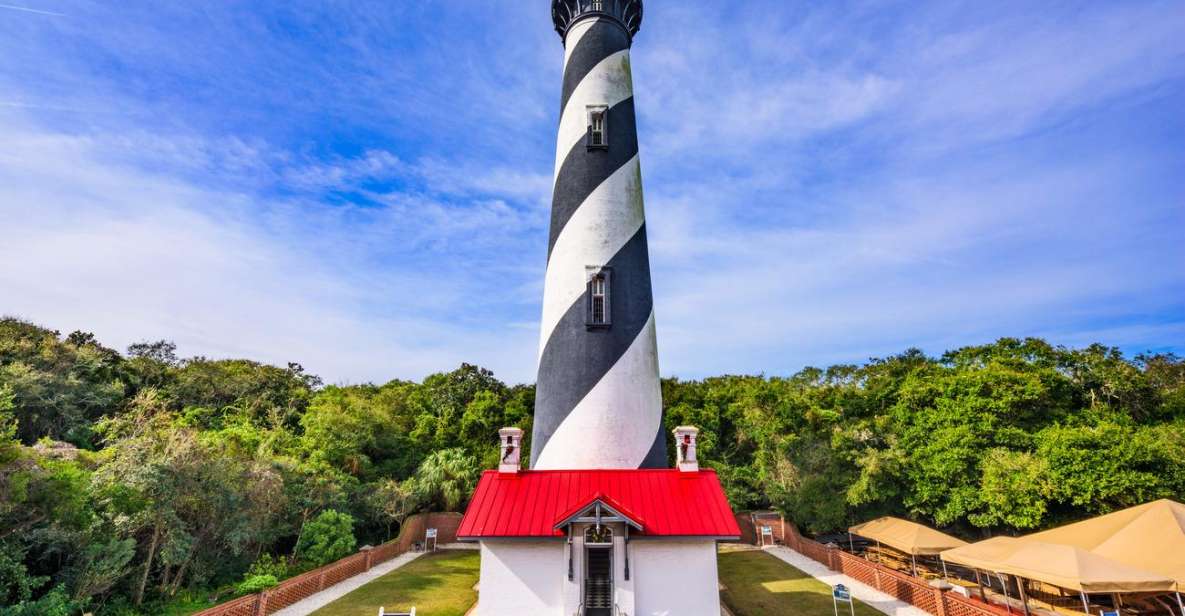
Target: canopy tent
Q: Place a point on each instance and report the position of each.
(909, 537)
(1149, 537)
(1061, 565)
(984, 554)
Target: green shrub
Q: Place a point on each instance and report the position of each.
(270, 565)
(256, 583)
(16, 584)
(55, 603)
(326, 538)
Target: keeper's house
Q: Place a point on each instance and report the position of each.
(599, 542)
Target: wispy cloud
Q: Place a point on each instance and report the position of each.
(96, 244)
(24, 9)
(365, 188)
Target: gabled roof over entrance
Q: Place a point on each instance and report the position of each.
(537, 504)
(603, 507)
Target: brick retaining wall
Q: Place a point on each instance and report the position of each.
(751, 521)
(748, 530)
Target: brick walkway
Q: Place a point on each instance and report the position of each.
(866, 594)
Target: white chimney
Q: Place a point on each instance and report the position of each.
(685, 448)
(512, 450)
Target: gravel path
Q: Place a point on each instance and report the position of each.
(867, 594)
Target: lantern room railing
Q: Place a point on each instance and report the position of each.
(565, 13)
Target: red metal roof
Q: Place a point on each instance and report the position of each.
(665, 502)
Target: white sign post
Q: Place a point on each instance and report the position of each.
(841, 594)
(767, 531)
(430, 536)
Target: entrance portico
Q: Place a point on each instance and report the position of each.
(598, 582)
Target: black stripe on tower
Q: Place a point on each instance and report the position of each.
(584, 170)
(603, 39)
(576, 357)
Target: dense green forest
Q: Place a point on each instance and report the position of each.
(142, 483)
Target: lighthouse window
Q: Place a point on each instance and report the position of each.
(598, 299)
(597, 133)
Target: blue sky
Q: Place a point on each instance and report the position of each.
(363, 187)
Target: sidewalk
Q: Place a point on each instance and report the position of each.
(866, 594)
(337, 591)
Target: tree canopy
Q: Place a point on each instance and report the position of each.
(132, 481)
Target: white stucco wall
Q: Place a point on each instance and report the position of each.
(522, 577)
(667, 578)
(675, 578)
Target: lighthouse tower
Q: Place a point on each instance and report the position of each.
(598, 401)
(599, 525)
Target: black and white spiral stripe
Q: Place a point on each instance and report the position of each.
(598, 401)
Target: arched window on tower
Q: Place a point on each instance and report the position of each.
(599, 294)
(598, 129)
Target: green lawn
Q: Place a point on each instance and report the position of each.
(439, 584)
(757, 584)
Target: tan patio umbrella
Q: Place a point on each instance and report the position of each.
(909, 537)
(1061, 565)
(1149, 536)
(983, 554)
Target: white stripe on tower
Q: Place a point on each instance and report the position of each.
(591, 438)
(598, 399)
(597, 231)
(602, 86)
